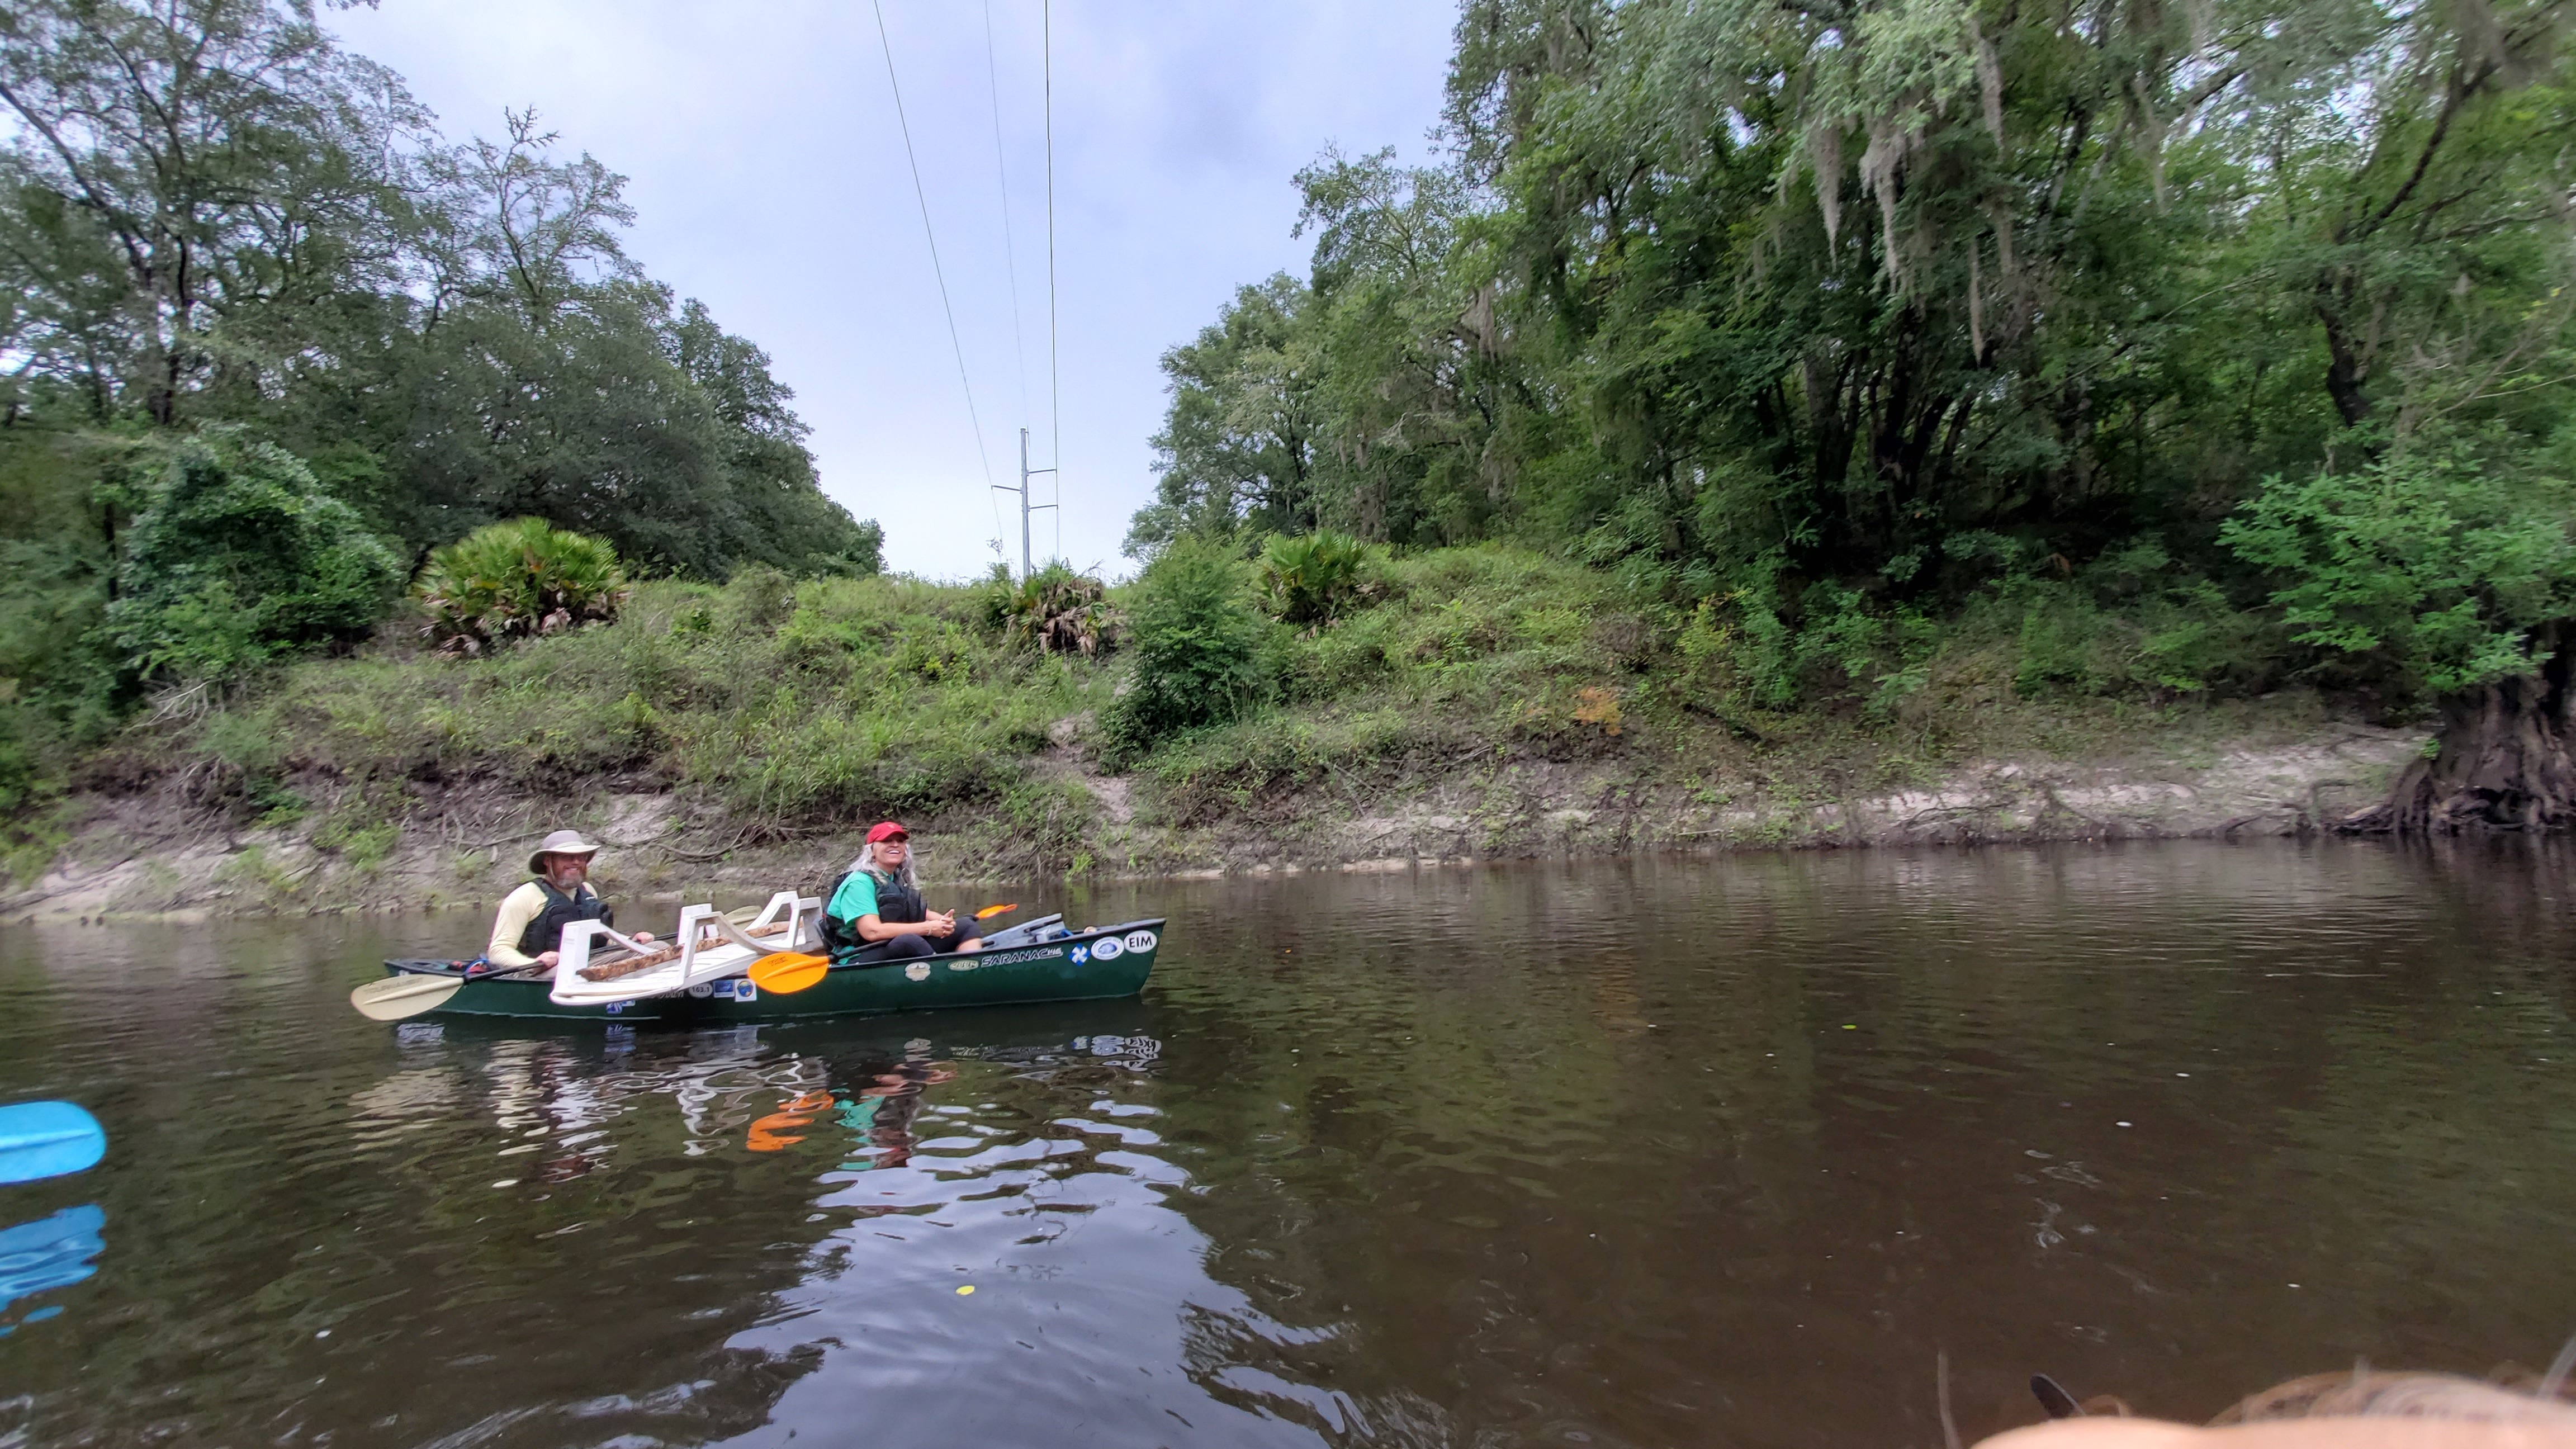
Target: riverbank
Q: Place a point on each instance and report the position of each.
(1482, 704)
(138, 856)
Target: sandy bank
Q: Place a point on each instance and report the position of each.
(147, 854)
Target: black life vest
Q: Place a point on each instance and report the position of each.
(897, 903)
(545, 933)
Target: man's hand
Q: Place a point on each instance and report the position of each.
(550, 959)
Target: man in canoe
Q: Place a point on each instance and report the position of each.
(528, 930)
(874, 910)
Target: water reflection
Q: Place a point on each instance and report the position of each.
(1004, 1261)
(1650, 1153)
(38, 1257)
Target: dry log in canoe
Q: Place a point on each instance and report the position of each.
(628, 966)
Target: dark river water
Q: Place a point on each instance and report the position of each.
(1723, 1152)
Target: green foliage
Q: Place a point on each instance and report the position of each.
(238, 557)
(215, 226)
(1313, 577)
(839, 699)
(522, 580)
(2089, 637)
(1861, 321)
(653, 430)
(212, 216)
(1054, 611)
(849, 697)
(2434, 563)
(1239, 441)
(1199, 646)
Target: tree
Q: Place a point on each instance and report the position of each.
(210, 213)
(219, 231)
(2449, 570)
(519, 229)
(182, 181)
(1819, 317)
(1237, 447)
(661, 434)
(239, 557)
(1420, 392)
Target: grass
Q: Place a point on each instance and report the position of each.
(776, 709)
(843, 698)
(1474, 656)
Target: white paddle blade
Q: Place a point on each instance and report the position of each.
(396, 997)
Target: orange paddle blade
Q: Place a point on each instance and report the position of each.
(989, 912)
(788, 971)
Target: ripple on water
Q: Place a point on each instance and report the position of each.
(1646, 1153)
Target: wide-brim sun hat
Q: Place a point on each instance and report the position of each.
(562, 842)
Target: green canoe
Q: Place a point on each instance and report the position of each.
(1094, 965)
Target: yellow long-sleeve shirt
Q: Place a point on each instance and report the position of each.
(518, 908)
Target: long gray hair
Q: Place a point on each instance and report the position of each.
(868, 862)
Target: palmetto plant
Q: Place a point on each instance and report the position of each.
(1055, 611)
(1313, 576)
(517, 580)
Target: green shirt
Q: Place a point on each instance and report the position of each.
(857, 897)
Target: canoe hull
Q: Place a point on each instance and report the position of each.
(1075, 968)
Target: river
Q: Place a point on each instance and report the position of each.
(1724, 1151)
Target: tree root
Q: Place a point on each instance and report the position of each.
(2506, 762)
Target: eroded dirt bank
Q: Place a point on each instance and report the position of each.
(150, 853)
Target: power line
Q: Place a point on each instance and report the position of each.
(1055, 384)
(1010, 248)
(973, 418)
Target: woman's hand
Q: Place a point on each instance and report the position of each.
(939, 923)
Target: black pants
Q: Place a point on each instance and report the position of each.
(906, 947)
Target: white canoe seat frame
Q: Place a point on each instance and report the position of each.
(712, 948)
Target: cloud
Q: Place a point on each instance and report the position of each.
(770, 178)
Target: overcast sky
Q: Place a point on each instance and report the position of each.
(769, 179)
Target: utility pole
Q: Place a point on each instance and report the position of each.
(1026, 507)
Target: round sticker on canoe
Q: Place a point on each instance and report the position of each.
(917, 971)
(1106, 949)
(1140, 940)
(702, 991)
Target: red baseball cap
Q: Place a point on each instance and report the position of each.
(886, 830)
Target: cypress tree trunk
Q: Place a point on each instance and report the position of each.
(2506, 758)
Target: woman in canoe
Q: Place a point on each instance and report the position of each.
(874, 911)
(528, 929)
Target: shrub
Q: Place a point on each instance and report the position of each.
(517, 580)
(1313, 577)
(1198, 643)
(2431, 565)
(238, 557)
(1054, 611)
(757, 600)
